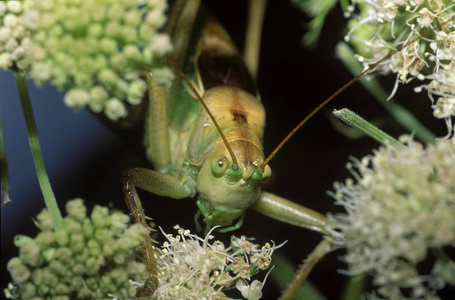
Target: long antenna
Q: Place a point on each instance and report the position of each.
(234, 159)
(340, 90)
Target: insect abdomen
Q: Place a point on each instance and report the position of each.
(219, 63)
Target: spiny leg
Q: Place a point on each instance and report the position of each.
(157, 145)
(157, 149)
(157, 141)
(160, 184)
(135, 207)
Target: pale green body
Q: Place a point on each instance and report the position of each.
(189, 154)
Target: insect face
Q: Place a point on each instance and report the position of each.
(227, 190)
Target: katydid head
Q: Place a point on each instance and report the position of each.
(227, 189)
(230, 178)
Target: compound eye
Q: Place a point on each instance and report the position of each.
(219, 166)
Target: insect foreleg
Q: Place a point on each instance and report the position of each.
(286, 211)
(157, 183)
(157, 128)
(234, 227)
(205, 211)
(197, 215)
(157, 139)
(160, 184)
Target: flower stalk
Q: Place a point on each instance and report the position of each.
(4, 168)
(284, 272)
(27, 109)
(318, 253)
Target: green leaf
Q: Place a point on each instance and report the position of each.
(354, 120)
(318, 11)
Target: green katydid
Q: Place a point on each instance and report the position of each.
(215, 152)
(211, 148)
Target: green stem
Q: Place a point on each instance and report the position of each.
(354, 120)
(284, 272)
(355, 287)
(4, 168)
(440, 254)
(401, 115)
(302, 273)
(43, 180)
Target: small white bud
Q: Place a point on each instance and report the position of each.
(2, 7)
(115, 109)
(11, 45)
(18, 53)
(14, 6)
(161, 44)
(10, 20)
(76, 98)
(5, 34)
(5, 61)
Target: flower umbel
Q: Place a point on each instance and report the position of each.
(381, 26)
(14, 37)
(88, 258)
(91, 50)
(194, 268)
(400, 210)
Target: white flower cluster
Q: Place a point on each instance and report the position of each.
(88, 258)
(194, 268)
(381, 26)
(92, 50)
(441, 89)
(400, 210)
(14, 37)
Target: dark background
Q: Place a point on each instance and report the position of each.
(85, 160)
